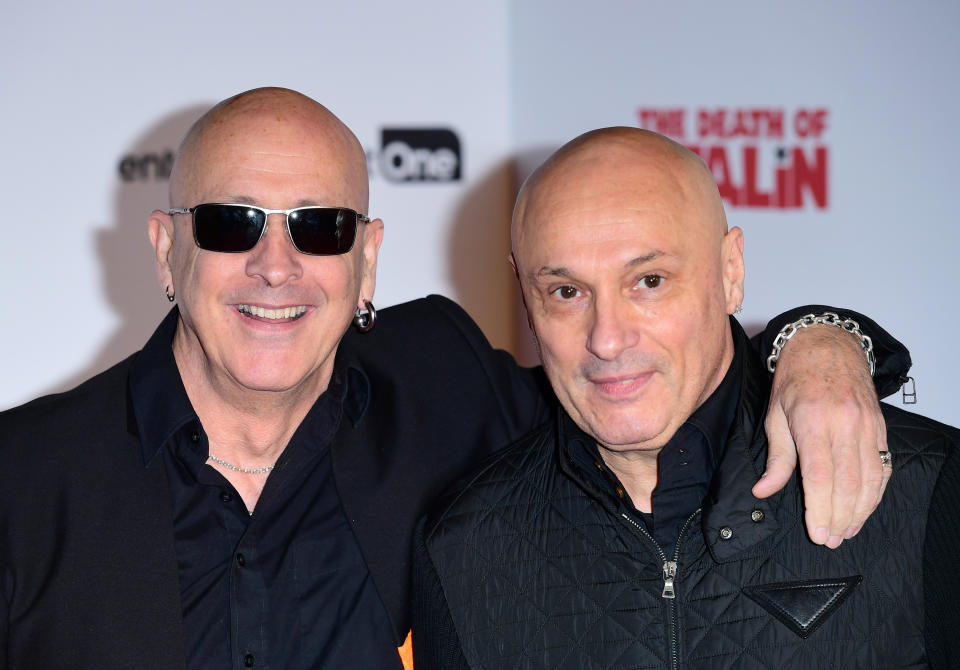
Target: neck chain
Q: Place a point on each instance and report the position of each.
(247, 471)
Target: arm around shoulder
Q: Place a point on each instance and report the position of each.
(824, 414)
(892, 357)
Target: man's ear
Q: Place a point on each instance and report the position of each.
(372, 238)
(513, 264)
(733, 270)
(161, 231)
(523, 297)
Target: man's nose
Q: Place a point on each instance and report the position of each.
(612, 327)
(275, 259)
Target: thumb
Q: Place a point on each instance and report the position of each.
(781, 455)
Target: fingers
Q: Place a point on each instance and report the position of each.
(887, 473)
(801, 439)
(834, 445)
(781, 455)
(851, 431)
(874, 475)
(827, 400)
(830, 480)
(815, 457)
(847, 490)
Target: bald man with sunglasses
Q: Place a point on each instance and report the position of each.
(242, 491)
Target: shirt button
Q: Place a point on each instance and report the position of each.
(194, 437)
(248, 660)
(241, 561)
(726, 533)
(226, 496)
(756, 515)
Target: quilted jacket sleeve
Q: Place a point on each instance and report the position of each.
(941, 580)
(436, 645)
(4, 618)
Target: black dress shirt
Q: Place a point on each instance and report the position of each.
(685, 465)
(285, 587)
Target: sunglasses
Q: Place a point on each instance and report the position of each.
(318, 231)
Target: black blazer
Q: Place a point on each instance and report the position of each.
(88, 568)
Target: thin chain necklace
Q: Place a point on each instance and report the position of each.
(247, 471)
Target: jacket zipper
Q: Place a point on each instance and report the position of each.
(669, 575)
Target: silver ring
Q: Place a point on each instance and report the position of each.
(886, 459)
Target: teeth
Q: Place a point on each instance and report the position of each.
(281, 313)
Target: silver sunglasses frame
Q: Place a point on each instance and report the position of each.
(266, 222)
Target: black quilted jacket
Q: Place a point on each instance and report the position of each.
(527, 564)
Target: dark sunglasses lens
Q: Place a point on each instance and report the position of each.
(323, 231)
(227, 227)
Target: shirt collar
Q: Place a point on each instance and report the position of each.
(161, 406)
(712, 420)
(715, 416)
(160, 403)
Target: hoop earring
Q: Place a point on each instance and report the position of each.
(170, 296)
(364, 320)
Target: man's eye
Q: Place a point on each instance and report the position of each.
(651, 281)
(567, 292)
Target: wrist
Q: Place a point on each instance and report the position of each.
(826, 319)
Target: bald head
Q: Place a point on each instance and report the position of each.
(626, 166)
(262, 110)
(628, 274)
(267, 319)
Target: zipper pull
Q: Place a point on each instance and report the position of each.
(669, 572)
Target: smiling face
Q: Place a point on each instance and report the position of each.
(268, 319)
(628, 275)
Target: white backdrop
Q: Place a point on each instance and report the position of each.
(93, 87)
(887, 74)
(86, 85)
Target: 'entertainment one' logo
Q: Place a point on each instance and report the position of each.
(147, 166)
(419, 154)
(760, 157)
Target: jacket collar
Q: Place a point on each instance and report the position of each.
(733, 521)
(157, 396)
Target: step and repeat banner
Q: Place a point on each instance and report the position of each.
(828, 126)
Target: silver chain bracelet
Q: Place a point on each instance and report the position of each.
(830, 319)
